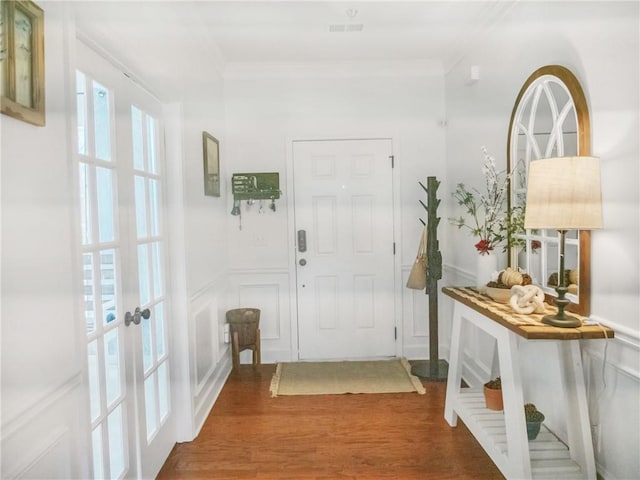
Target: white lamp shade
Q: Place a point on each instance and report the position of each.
(564, 193)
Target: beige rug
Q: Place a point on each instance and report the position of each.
(322, 378)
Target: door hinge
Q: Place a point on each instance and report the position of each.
(392, 157)
(395, 333)
(394, 248)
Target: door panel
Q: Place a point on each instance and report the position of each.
(345, 275)
(123, 245)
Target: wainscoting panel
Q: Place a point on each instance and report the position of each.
(210, 360)
(267, 290)
(45, 441)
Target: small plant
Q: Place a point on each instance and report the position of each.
(495, 384)
(487, 217)
(532, 414)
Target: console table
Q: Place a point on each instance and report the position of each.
(503, 434)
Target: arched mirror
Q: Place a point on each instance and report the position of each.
(550, 119)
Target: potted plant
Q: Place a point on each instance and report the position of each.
(534, 419)
(493, 394)
(487, 217)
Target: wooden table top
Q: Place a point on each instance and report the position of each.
(528, 326)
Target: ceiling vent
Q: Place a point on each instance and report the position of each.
(347, 27)
(350, 27)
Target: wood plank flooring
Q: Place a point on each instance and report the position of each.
(403, 436)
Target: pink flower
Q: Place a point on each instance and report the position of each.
(484, 247)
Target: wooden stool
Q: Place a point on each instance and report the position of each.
(245, 333)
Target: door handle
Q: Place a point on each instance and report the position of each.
(136, 317)
(302, 241)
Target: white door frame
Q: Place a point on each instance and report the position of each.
(291, 231)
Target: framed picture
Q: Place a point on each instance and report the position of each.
(211, 150)
(22, 61)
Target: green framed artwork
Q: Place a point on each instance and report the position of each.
(22, 61)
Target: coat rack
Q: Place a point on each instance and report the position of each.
(434, 368)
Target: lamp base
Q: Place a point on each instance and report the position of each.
(567, 322)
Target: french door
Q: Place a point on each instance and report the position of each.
(120, 167)
(345, 248)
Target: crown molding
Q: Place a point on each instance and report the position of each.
(400, 68)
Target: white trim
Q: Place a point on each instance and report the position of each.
(38, 406)
(206, 402)
(39, 449)
(626, 335)
(368, 69)
(117, 64)
(176, 269)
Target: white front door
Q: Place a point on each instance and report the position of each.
(345, 248)
(119, 158)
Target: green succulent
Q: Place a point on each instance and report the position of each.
(532, 414)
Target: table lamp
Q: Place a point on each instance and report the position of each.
(564, 194)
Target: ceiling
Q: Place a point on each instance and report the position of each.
(174, 47)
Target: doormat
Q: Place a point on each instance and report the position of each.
(332, 378)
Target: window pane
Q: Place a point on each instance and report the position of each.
(136, 126)
(156, 252)
(147, 353)
(81, 112)
(104, 187)
(102, 122)
(163, 389)
(85, 203)
(143, 274)
(116, 442)
(154, 206)
(151, 144)
(88, 272)
(108, 285)
(150, 404)
(141, 207)
(160, 337)
(96, 440)
(112, 365)
(94, 379)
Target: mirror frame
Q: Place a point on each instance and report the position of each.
(565, 76)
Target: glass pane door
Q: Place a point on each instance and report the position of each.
(102, 278)
(150, 245)
(119, 152)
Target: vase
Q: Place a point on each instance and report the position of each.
(493, 398)
(486, 266)
(533, 429)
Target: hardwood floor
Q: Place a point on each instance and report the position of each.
(403, 436)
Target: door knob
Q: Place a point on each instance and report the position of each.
(302, 262)
(136, 317)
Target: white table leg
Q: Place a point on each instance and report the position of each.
(578, 427)
(455, 367)
(517, 442)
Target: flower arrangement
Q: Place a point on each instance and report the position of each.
(488, 219)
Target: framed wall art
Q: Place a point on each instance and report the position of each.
(211, 150)
(22, 61)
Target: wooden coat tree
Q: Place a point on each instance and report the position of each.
(434, 368)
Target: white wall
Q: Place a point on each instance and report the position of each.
(199, 267)
(599, 43)
(44, 431)
(266, 110)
